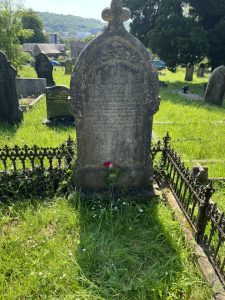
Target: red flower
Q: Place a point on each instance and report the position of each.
(108, 164)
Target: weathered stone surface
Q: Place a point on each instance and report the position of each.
(114, 95)
(189, 72)
(216, 87)
(30, 86)
(68, 67)
(9, 105)
(57, 103)
(44, 68)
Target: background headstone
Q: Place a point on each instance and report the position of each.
(68, 67)
(114, 95)
(189, 72)
(44, 68)
(57, 98)
(201, 71)
(9, 104)
(216, 87)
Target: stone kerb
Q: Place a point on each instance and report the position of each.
(114, 95)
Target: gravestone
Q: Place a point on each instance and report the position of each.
(9, 105)
(44, 68)
(215, 89)
(114, 95)
(201, 71)
(189, 72)
(57, 104)
(68, 67)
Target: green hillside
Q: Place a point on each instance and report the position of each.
(69, 24)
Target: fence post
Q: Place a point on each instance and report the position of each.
(69, 152)
(166, 140)
(202, 213)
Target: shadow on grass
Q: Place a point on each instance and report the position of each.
(62, 126)
(178, 99)
(127, 251)
(194, 87)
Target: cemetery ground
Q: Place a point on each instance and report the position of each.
(67, 249)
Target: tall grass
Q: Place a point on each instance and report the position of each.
(68, 250)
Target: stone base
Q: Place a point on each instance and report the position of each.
(59, 121)
(144, 194)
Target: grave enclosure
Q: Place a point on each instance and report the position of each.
(114, 95)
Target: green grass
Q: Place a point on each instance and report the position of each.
(176, 81)
(32, 132)
(55, 250)
(197, 129)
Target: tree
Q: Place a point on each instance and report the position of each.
(181, 28)
(177, 40)
(31, 20)
(11, 30)
(174, 37)
(210, 15)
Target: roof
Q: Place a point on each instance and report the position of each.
(28, 47)
(44, 48)
(48, 48)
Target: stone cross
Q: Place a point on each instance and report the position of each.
(116, 15)
(114, 95)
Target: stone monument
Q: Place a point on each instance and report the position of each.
(189, 72)
(201, 71)
(114, 95)
(215, 89)
(68, 67)
(57, 98)
(9, 105)
(44, 68)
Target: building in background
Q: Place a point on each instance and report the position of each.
(53, 38)
(49, 49)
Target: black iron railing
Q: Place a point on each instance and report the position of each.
(207, 221)
(43, 171)
(16, 158)
(35, 171)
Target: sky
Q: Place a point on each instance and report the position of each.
(82, 8)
